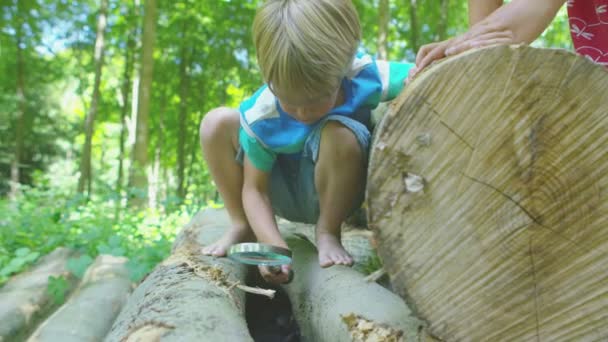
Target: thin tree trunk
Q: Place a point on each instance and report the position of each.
(442, 28)
(155, 175)
(138, 178)
(414, 24)
(21, 108)
(85, 162)
(183, 116)
(125, 94)
(384, 18)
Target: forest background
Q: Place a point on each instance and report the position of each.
(100, 103)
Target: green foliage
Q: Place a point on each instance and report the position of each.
(22, 258)
(77, 266)
(45, 220)
(372, 264)
(57, 289)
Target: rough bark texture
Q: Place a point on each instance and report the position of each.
(189, 296)
(329, 303)
(24, 299)
(487, 196)
(90, 311)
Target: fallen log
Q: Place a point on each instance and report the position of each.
(487, 196)
(91, 309)
(24, 300)
(338, 304)
(188, 297)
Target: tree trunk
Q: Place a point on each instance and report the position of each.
(21, 108)
(183, 115)
(124, 110)
(138, 178)
(442, 28)
(85, 161)
(384, 18)
(188, 297)
(414, 25)
(485, 196)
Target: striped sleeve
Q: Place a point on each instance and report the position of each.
(392, 76)
(262, 158)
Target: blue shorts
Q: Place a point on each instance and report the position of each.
(293, 193)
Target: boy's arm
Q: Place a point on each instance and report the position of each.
(256, 203)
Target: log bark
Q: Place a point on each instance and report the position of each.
(90, 311)
(189, 297)
(487, 196)
(24, 300)
(338, 304)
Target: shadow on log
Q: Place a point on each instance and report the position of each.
(487, 195)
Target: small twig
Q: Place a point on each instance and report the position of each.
(374, 276)
(255, 290)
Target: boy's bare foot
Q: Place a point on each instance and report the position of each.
(331, 251)
(232, 236)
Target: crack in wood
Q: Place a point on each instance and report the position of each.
(511, 199)
(448, 126)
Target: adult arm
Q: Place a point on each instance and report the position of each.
(480, 9)
(520, 21)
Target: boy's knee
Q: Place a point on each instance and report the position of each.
(216, 122)
(339, 140)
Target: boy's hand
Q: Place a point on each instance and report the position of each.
(277, 274)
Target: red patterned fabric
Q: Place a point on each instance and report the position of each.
(589, 28)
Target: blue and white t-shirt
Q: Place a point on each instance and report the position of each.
(266, 130)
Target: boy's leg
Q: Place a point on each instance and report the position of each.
(219, 142)
(340, 177)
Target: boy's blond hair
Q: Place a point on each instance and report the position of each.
(306, 46)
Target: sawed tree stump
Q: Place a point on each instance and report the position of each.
(488, 196)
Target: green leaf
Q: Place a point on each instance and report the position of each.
(78, 266)
(57, 289)
(21, 252)
(137, 270)
(114, 241)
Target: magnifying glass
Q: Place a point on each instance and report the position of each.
(260, 254)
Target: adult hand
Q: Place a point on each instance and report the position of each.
(478, 36)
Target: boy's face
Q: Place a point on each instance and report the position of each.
(305, 109)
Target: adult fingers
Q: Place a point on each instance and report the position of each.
(490, 38)
(424, 50)
(438, 52)
(477, 43)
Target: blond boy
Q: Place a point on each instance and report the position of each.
(298, 147)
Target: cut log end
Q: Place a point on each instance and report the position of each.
(485, 194)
